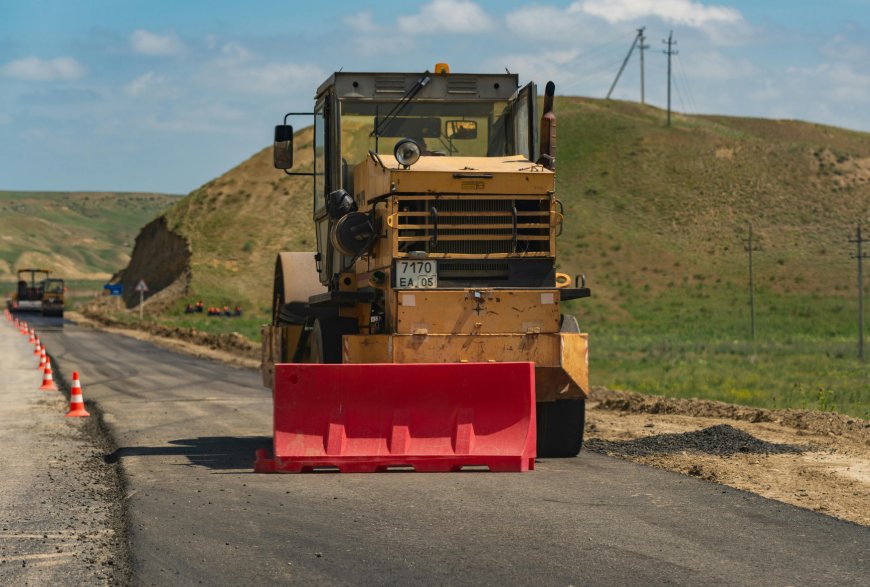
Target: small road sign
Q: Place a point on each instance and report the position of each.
(114, 289)
(141, 286)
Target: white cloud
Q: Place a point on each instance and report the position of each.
(362, 22)
(713, 65)
(144, 83)
(36, 69)
(681, 12)
(446, 16)
(238, 69)
(147, 43)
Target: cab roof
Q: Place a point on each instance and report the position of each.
(441, 86)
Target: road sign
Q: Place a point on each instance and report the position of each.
(114, 289)
(141, 286)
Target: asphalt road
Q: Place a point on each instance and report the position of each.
(187, 430)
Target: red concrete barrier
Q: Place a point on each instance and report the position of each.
(432, 417)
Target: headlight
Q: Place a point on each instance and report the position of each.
(407, 151)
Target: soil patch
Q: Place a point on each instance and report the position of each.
(815, 460)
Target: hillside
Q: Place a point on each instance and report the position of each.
(656, 219)
(648, 208)
(77, 235)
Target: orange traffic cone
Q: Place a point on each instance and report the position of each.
(38, 348)
(76, 403)
(42, 360)
(47, 379)
(32, 339)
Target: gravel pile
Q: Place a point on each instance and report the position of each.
(856, 429)
(721, 440)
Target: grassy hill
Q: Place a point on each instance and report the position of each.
(79, 236)
(656, 218)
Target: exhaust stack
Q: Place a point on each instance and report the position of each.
(548, 130)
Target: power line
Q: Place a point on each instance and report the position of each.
(641, 46)
(669, 52)
(634, 43)
(860, 256)
(681, 73)
(749, 247)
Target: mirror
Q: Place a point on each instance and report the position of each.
(282, 150)
(409, 126)
(461, 129)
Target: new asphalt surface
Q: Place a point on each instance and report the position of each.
(187, 429)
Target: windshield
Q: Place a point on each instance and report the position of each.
(471, 129)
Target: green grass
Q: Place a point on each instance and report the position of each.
(683, 344)
(248, 326)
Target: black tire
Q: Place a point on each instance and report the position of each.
(560, 427)
(326, 338)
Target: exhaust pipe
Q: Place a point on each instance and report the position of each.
(548, 130)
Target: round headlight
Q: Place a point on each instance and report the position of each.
(407, 151)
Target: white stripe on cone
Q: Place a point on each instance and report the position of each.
(76, 403)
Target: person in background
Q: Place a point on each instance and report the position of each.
(238, 311)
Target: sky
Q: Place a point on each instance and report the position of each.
(165, 95)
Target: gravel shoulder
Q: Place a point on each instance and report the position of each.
(815, 460)
(61, 518)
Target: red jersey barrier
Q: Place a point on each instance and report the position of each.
(432, 417)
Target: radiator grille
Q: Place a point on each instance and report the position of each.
(473, 226)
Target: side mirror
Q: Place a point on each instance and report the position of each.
(461, 129)
(282, 150)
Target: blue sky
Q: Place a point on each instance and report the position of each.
(160, 95)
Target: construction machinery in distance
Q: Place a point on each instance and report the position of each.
(436, 218)
(37, 291)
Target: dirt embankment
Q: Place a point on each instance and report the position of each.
(814, 460)
(161, 258)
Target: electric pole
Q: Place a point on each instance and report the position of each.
(750, 247)
(670, 51)
(638, 37)
(859, 255)
(641, 47)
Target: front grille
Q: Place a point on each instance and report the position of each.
(463, 270)
(459, 225)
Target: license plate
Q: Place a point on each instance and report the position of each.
(416, 274)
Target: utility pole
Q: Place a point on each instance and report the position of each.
(634, 43)
(670, 51)
(750, 247)
(858, 240)
(641, 47)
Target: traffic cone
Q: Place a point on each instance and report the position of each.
(76, 403)
(47, 379)
(42, 360)
(32, 339)
(38, 348)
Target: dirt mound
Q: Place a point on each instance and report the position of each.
(161, 258)
(815, 422)
(721, 439)
(814, 460)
